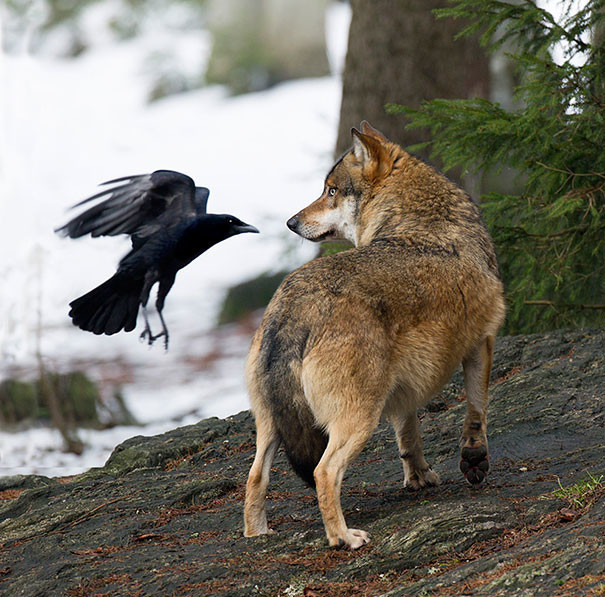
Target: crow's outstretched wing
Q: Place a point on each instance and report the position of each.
(140, 205)
(201, 199)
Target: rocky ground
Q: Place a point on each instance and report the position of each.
(164, 515)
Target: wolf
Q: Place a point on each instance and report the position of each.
(374, 331)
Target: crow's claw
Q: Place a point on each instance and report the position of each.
(147, 335)
(154, 338)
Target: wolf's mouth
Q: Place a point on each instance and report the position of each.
(324, 236)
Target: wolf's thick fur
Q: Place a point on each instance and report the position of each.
(375, 330)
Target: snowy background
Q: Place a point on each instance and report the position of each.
(67, 125)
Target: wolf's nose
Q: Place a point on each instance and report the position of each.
(292, 223)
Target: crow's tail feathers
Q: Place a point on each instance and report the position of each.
(110, 307)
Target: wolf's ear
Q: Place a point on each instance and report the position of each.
(364, 147)
(372, 154)
(370, 131)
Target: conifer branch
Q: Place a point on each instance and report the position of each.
(549, 234)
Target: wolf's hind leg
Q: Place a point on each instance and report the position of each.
(474, 459)
(416, 471)
(267, 443)
(347, 439)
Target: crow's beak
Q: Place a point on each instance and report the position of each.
(246, 228)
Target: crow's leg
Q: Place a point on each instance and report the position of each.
(163, 290)
(164, 331)
(150, 280)
(146, 333)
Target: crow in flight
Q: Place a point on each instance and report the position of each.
(165, 215)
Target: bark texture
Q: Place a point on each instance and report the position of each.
(400, 53)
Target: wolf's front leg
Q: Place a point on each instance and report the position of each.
(474, 457)
(267, 443)
(416, 471)
(345, 443)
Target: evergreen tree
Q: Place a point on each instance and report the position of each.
(551, 237)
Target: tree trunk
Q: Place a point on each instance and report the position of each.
(400, 53)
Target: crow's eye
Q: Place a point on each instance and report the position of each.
(332, 191)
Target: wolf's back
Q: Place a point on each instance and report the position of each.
(281, 352)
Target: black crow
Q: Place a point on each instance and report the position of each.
(165, 215)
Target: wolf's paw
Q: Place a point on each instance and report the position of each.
(419, 479)
(252, 533)
(474, 464)
(255, 528)
(353, 539)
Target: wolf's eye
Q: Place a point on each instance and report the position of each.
(332, 191)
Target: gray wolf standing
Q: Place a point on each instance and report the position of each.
(373, 331)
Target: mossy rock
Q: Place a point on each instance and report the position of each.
(175, 500)
(78, 398)
(249, 296)
(77, 395)
(18, 401)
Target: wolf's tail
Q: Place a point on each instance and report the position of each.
(110, 307)
(303, 440)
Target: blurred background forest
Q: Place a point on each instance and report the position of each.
(254, 99)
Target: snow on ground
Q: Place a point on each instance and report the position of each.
(67, 125)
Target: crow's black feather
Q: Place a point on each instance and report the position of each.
(165, 215)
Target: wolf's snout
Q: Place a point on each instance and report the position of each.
(292, 223)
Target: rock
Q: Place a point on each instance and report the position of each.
(164, 515)
(20, 482)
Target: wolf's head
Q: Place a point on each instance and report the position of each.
(351, 183)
